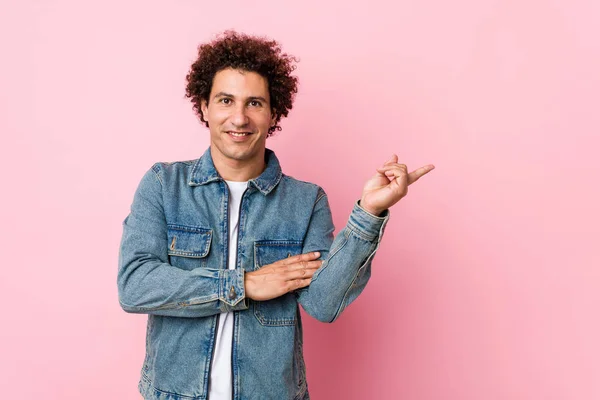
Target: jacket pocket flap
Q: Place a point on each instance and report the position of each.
(188, 241)
(269, 251)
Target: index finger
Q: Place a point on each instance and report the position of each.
(416, 174)
(299, 257)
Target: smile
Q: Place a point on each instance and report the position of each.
(239, 137)
(239, 134)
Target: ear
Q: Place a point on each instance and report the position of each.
(204, 107)
(273, 118)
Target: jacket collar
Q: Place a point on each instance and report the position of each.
(204, 171)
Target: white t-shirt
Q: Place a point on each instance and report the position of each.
(220, 373)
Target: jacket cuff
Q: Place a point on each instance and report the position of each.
(231, 291)
(366, 224)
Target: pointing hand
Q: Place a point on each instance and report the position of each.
(389, 185)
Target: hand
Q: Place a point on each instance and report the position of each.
(281, 277)
(389, 185)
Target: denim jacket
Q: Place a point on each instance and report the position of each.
(173, 267)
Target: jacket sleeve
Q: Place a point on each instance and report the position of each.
(346, 258)
(148, 284)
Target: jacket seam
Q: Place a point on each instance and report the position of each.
(320, 197)
(362, 235)
(302, 393)
(341, 307)
(170, 306)
(331, 254)
(156, 170)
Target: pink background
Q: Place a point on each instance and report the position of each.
(487, 282)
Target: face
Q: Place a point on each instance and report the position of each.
(239, 116)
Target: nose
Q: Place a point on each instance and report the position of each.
(239, 117)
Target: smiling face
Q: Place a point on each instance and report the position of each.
(239, 116)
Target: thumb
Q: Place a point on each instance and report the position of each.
(392, 159)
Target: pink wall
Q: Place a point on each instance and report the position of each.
(487, 284)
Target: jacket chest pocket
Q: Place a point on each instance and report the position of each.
(188, 246)
(280, 311)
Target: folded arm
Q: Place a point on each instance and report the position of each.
(148, 284)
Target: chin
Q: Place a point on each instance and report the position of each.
(240, 156)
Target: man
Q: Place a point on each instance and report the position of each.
(220, 251)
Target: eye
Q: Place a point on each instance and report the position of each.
(225, 100)
(255, 103)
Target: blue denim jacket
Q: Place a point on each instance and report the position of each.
(173, 267)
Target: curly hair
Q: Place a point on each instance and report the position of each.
(249, 53)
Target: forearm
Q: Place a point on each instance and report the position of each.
(153, 287)
(346, 267)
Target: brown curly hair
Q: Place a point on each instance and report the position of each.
(249, 53)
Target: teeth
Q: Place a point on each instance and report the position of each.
(238, 134)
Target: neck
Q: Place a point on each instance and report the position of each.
(237, 170)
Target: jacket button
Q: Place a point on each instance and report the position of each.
(232, 294)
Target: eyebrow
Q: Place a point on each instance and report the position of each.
(223, 94)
